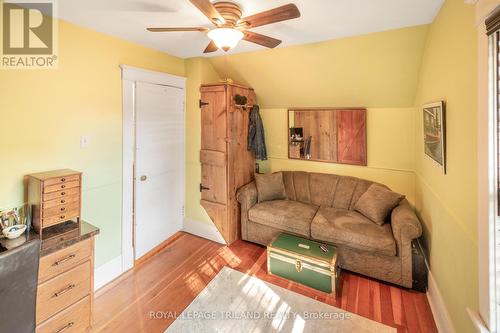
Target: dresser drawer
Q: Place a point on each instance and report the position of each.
(61, 201)
(66, 216)
(61, 194)
(63, 290)
(62, 186)
(62, 260)
(61, 209)
(61, 180)
(74, 319)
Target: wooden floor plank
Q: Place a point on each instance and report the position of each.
(167, 282)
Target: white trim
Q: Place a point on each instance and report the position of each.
(130, 76)
(136, 74)
(438, 308)
(204, 230)
(128, 174)
(107, 272)
(486, 172)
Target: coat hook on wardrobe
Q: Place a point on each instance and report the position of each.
(241, 102)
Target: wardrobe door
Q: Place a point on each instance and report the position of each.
(213, 154)
(351, 131)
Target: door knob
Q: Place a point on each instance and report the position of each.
(143, 178)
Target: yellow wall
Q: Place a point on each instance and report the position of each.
(447, 203)
(44, 112)
(378, 70)
(390, 160)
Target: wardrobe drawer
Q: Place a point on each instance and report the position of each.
(61, 180)
(62, 260)
(75, 319)
(63, 290)
(66, 216)
(61, 209)
(61, 194)
(62, 186)
(61, 201)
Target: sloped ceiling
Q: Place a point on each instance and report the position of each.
(374, 70)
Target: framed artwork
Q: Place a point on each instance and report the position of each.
(435, 133)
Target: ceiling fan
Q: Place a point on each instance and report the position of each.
(230, 27)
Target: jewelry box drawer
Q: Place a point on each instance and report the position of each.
(62, 260)
(63, 290)
(62, 186)
(61, 194)
(74, 319)
(61, 209)
(66, 216)
(61, 180)
(61, 201)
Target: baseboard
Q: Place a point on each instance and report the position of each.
(107, 272)
(477, 321)
(208, 231)
(438, 308)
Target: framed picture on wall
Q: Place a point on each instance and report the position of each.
(435, 133)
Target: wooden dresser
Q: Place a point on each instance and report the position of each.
(66, 268)
(65, 279)
(226, 164)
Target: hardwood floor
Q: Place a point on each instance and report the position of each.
(171, 279)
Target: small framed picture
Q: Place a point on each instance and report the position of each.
(435, 133)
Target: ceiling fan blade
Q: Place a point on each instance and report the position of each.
(261, 39)
(211, 47)
(206, 7)
(283, 13)
(200, 29)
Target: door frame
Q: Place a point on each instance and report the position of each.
(130, 76)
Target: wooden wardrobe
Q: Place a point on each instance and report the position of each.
(226, 164)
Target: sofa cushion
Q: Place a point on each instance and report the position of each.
(377, 202)
(350, 228)
(270, 186)
(292, 216)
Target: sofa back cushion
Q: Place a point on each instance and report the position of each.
(321, 189)
(270, 187)
(377, 202)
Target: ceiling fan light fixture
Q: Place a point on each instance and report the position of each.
(225, 38)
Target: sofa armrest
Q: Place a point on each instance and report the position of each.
(247, 197)
(405, 223)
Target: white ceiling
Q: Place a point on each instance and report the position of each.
(320, 20)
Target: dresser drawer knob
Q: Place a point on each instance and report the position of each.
(65, 290)
(68, 325)
(63, 201)
(63, 186)
(63, 260)
(62, 216)
(63, 179)
(63, 193)
(63, 209)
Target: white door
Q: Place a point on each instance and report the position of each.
(159, 165)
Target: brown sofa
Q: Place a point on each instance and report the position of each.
(320, 207)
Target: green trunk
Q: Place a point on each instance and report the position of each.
(303, 261)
